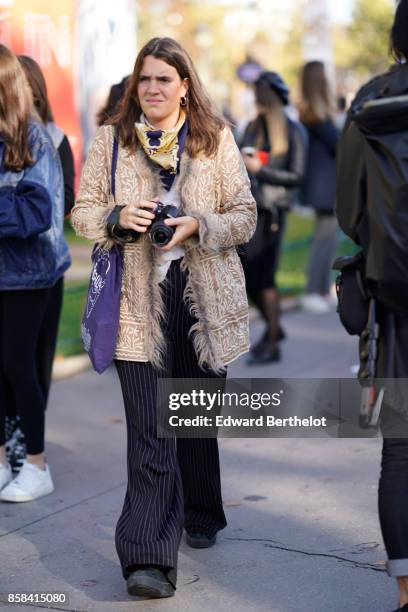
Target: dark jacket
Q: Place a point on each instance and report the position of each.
(372, 192)
(61, 143)
(33, 251)
(275, 188)
(284, 171)
(319, 187)
(372, 208)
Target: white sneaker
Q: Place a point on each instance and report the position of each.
(315, 303)
(31, 483)
(5, 475)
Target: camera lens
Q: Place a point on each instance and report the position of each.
(161, 236)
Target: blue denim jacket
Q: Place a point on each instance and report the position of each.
(33, 251)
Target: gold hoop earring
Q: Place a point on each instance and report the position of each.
(183, 101)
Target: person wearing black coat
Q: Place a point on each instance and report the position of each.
(274, 152)
(371, 209)
(111, 105)
(319, 188)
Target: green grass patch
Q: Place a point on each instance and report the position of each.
(71, 237)
(69, 335)
(291, 276)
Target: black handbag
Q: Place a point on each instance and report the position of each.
(265, 233)
(352, 294)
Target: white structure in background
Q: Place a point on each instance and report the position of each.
(5, 23)
(317, 43)
(106, 52)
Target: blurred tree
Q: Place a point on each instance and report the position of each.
(363, 46)
(206, 30)
(293, 51)
(220, 35)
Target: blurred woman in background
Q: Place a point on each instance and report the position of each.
(317, 113)
(110, 107)
(42, 105)
(33, 257)
(273, 149)
(49, 332)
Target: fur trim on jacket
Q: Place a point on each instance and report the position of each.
(216, 191)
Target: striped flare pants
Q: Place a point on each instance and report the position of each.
(171, 483)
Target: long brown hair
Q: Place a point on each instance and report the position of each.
(38, 86)
(15, 111)
(271, 109)
(204, 121)
(317, 103)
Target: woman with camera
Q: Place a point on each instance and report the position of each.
(371, 208)
(275, 164)
(183, 311)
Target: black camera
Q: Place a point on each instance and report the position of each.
(160, 233)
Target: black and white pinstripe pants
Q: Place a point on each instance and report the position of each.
(170, 484)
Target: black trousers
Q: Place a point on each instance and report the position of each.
(22, 315)
(393, 493)
(47, 341)
(46, 345)
(43, 342)
(170, 484)
(393, 488)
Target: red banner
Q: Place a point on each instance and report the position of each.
(44, 30)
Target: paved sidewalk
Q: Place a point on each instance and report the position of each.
(303, 532)
(81, 263)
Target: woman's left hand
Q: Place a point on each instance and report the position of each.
(185, 227)
(252, 163)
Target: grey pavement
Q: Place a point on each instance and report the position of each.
(81, 263)
(303, 533)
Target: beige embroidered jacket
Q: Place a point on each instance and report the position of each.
(216, 191)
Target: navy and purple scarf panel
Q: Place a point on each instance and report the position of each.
(167, 176)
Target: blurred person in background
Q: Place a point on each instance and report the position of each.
(371, 208)
(274, 151)
(115, 95)
(47, 339)
(42, 105)
(341, 114)
(184, 310)
(33, 258)
(317, 113)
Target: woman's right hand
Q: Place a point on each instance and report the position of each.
(136, 217)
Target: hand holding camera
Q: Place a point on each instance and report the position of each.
(161, 221)
(137, 218)
(160, 233)
(182, 228)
